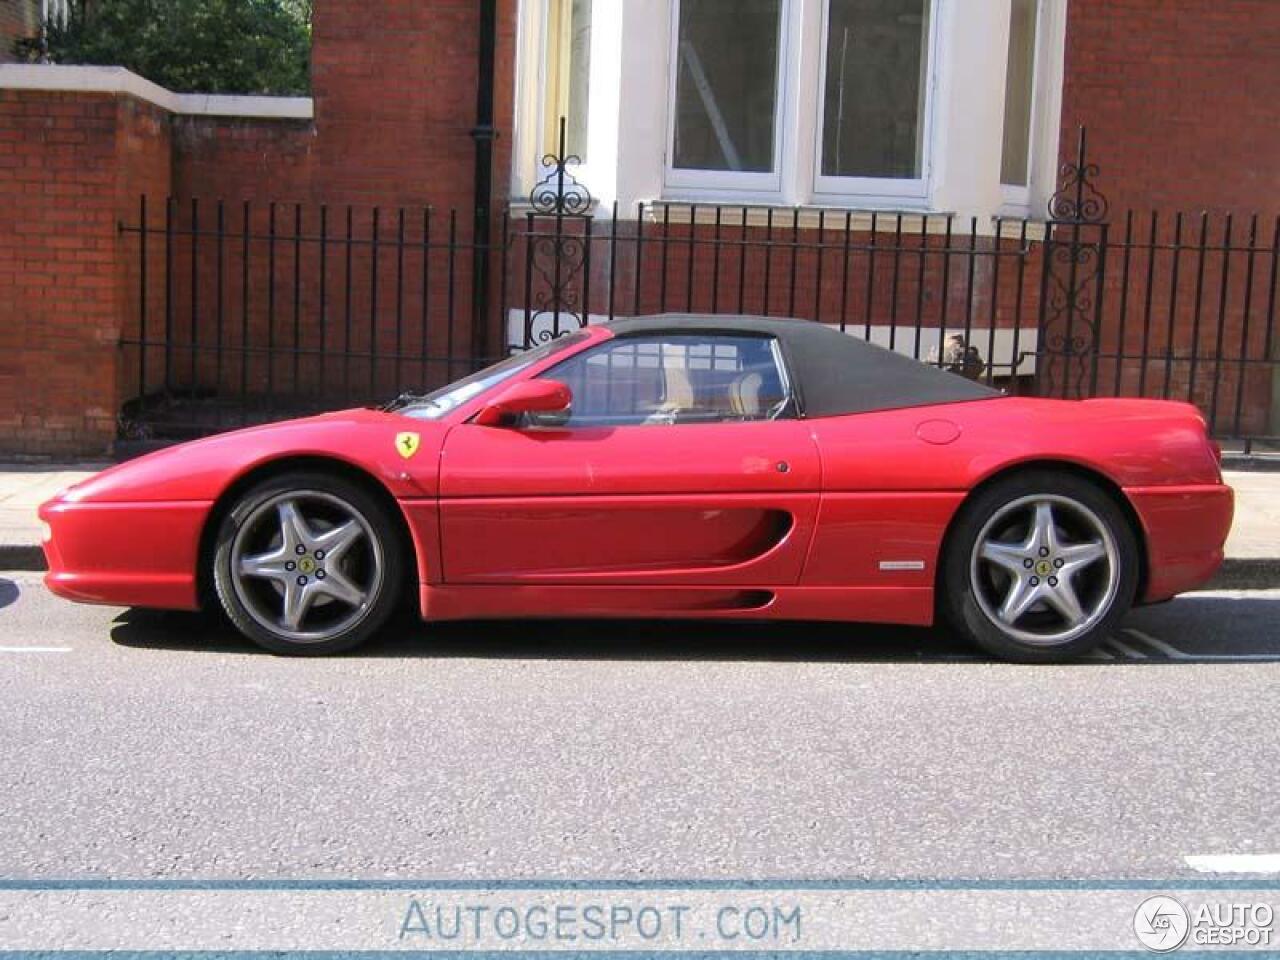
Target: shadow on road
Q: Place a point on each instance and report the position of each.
(1194, 628)
(8, 592)
(578, 639)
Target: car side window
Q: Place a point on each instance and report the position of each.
(674, 379)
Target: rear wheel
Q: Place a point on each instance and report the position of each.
(1040, 567)
(308, 563)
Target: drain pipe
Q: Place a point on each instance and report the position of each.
(483, 133)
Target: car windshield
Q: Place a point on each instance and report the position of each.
(432, 406)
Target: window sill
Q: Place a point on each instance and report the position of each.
(832, 218)
(520, 207)
(782, 217)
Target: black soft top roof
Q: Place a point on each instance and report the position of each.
(835, 373)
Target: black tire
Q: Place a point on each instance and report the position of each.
(967, 584)
(376, 559)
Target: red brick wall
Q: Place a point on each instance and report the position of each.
(395, 103)
(395, 96)
(1179, 97)
(394, 86)
(69, 163)
(233, 159)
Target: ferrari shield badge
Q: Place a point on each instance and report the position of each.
(407, 444)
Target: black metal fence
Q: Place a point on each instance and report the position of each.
(250, 312)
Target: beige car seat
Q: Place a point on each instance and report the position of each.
(679, 386)
(744, 394)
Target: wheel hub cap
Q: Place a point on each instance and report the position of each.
(306, 565)
(1045, 569)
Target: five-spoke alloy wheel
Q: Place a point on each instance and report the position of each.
(308, 563)
(1040, 567)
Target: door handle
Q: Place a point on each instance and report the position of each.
(783, 466)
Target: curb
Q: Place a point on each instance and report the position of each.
(1247, 573)
(1237, 573)
(22, 556)
(1251, 464)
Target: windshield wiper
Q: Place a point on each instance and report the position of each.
(406, 399)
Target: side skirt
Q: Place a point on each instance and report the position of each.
(911, 606)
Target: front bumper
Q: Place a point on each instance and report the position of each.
(126, 554)
(1186, 529)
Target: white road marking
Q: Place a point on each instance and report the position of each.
(35, 649)
(1235, 862)
(1174, 653)
(1127, 650)
(1167, 649)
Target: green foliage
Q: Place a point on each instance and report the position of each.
(204, 46)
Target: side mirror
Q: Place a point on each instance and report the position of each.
(527, 396)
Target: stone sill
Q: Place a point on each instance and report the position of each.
(836, 218)
(832, 219)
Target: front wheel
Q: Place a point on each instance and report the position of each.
(308, 563)
(1040, 568)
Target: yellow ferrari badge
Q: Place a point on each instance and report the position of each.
(407, 444)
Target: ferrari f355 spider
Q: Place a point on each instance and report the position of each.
(669, 467)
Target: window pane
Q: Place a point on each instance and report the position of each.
(568, 75)
(726, 84)
(1018, 89)
(877, 64)
(579, 76)
(672, 380)
(436, 404)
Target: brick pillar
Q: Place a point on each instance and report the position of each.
(71, 166)
(395, 93)
(394, 85)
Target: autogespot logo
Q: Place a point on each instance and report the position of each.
(1161, 923)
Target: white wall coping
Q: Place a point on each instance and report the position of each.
(87, 79)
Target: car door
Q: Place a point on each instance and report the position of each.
(679, 462)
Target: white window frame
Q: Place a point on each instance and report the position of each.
(631, 121)
(1017, 196)
(532, 93)
(557, 48)
(876, 191)
(729, 184)
(1047, 72)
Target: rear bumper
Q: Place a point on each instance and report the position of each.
(1186, 528)
(129, 554)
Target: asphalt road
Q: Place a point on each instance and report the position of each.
(143, 745)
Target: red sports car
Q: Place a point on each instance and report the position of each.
(670, 467)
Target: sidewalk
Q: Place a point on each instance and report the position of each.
(1253, 549)
(22, 490)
